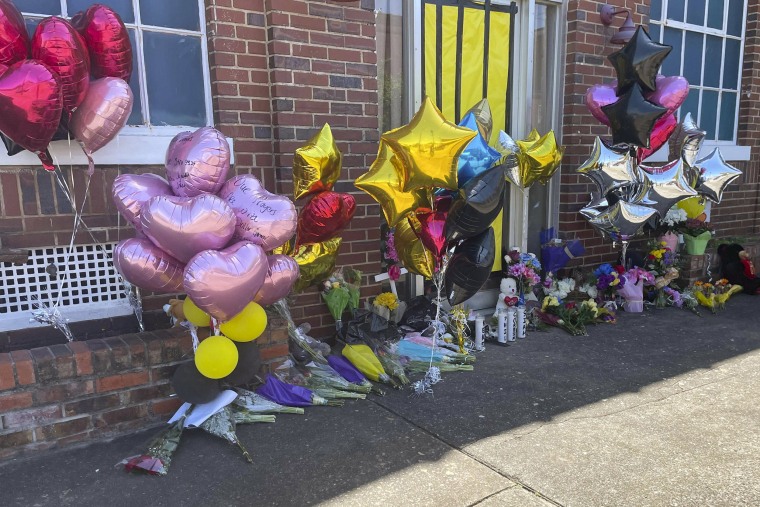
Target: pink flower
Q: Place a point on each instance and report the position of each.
(394, 272)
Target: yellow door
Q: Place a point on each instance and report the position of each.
(467, 56)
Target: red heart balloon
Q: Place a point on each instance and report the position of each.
(325, 216)
(14, 41)
(30, 105)
(432, 231)
(60, 47)
(107, 41)
(659, 136)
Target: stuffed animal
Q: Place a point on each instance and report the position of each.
(508, 295)
(732, 268)
(749, 267)
(175, 311)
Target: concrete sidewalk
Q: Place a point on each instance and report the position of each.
(660, 409)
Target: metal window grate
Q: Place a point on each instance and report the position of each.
(86, 282)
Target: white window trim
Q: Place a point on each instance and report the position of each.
(135, 144)
(730, 150)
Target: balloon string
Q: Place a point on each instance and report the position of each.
(624, 254)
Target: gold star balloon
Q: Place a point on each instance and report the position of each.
(411, 252)
(316, 262)
(317, 164)
(383, 183)
(483, 117)
(429, 147)
(535, 158)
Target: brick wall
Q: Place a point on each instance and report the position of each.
(586, 64)
(279, 71)
(66, 394)
(282, 69)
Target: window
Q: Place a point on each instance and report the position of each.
(708, 39)
(170, 78)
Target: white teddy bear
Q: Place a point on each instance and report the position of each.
(507, 289)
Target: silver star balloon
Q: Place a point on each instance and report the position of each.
(663, 187)
(685, 142)
(595, 207)
(623, 220)
(509, 162)
(608, 167)
(714, 175)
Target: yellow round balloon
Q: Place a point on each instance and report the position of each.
(247, 325)
(216, 357)
(693, 206)
(195, 315)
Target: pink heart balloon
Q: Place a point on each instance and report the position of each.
(102, 114)
(14, 40)
(597, 97)
(60, 47)
(130, 191)
(659, 136)
(145, 265)
(264, 218)
(282, 274)
(197, 162)
(185, 226)
(670, 93)
(223, 282)
(30, 105)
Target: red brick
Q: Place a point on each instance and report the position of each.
(272, 352)
(24, 367)
(63, 429)
(113, 417)
(63, 392)
(91, 405)
(15, 401)
(32, 417)
(165, 407)
(122, 381)
(16, 439)
(7, 380)
(82, 357)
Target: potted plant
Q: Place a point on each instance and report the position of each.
(696, 234)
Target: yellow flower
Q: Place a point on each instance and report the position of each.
(615, 282)
(549, 301)
(335, 285)
(386, 299)
(662, 243)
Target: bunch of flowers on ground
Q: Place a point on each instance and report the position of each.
(608, 280)
(341, 292)
(573, 316)
(714, 296)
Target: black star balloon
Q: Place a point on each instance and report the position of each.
(638, 61)
(470, 266)
(623, 220)
(714, 175)
(632, 118)
(608, 167)
(663, 187)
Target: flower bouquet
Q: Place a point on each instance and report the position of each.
(319, 385)
(257, 404)
(525, 269)
(670, 225)
(387, 308)
(696, 234)
(341, 292)
(609, 280)
(714, 296)
(283, 393)
(365, 360)
(632, 289)
(571, 316)
(348, 371)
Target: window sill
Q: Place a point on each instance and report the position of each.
(731, 153)
(134, 146)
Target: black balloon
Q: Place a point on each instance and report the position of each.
(632, 118)
(192, 387)
(470, 266)
(478, 204)
(638, 61)
(249, 362)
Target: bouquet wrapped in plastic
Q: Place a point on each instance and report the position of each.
(259, 405)
(632, 290)
(283, 393)
(341, 292)
(365, 360)
(556, 253)
(287, 372)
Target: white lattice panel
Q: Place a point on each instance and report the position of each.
(86, 285)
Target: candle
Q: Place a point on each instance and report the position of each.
(479, 333)
(521, 322)
(501, 337)
(511, 324)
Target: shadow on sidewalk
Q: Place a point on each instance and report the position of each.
(302, 460)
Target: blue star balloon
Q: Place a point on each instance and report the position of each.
(477, 157)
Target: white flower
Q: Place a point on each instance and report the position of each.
(589, 289)
(674, 216)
